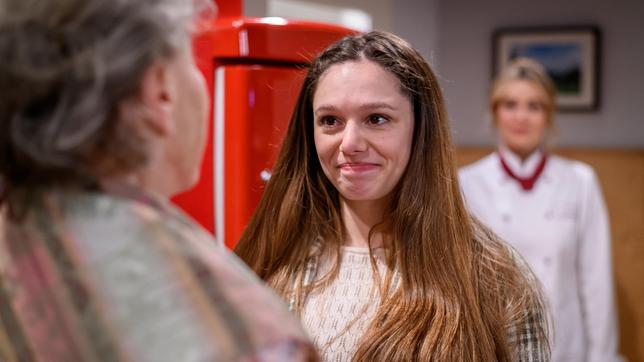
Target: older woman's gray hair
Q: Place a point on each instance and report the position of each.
(65, 66)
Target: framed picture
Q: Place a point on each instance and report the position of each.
(569, 54)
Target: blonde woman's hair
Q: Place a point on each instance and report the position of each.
(460, 287)
(528, 70)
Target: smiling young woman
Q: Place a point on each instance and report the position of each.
(363, 230)
(363, 139)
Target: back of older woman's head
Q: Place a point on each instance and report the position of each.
(65, 67)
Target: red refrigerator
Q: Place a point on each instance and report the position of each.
(254, 68)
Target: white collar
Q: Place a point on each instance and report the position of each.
(521, 168)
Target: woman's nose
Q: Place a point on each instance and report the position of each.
(522, 113)
(353, 139)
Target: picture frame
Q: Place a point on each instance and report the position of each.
(570, 55)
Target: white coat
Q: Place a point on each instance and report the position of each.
(561, 228)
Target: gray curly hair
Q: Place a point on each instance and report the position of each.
(65, 66)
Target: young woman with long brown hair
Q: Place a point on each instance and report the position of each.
(363, 230)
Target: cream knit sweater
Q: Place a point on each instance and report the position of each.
(337, 316)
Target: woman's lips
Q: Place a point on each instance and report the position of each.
(357, 167)
(520, 131)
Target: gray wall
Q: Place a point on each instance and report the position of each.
(380, 10)
(455, 37)
(417, 21)
(464, 62)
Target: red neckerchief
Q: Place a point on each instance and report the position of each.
(527, 183)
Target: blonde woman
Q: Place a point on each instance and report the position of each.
(551, 210)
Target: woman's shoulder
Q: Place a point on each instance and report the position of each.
(574, 170)
(96, 208)
(497, 249)
(142, 257)
(155, 224)
(579, 168)
(511, 285)
(521, 264)
(504, 269)
(115, 215)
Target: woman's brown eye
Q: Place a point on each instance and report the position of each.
(377, 119)
(509, 104)
(535, 106)
(328, 121)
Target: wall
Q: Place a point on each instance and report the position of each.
(380, 10)
(455, 37)
(254, 8)
(417, 21)
(464, 62)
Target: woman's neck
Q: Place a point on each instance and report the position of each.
(359, 218)
(521, 154)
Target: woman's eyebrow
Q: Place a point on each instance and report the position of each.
(364, 106)
(377, 105)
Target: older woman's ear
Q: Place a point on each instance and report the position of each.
(154, 101)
